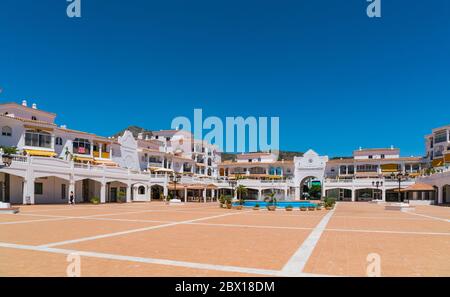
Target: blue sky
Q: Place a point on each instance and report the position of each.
(336, 78)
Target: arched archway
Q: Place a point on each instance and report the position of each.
(157, 192)
(311, 188)
(11, 188)
(368, 194)
(339, 194)
(52, 189)
(86, 189)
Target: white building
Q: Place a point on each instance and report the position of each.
(53, 161)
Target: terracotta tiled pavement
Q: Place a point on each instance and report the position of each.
(197, 239)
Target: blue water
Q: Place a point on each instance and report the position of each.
(281, 204)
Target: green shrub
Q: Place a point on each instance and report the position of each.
(289, 206)
(9, 150)
(257, 205)
(95, 200)
(329, 202)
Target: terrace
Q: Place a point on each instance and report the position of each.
(153, 239)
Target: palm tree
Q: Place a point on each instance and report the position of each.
(272, 199)
(241, 189)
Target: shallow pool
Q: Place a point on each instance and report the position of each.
(281, 204)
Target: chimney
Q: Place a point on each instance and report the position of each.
(63, 127)
(34, 106)
(140, 136)
(24, 103)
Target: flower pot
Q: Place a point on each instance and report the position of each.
(302, 208)
(311, 208)
(229, 206)
(256, 208)
(329, 208)
(288, 208)
(271, 208)
(239, 207)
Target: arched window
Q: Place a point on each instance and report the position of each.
(141, 190)
(209, 162)
(58, 141)
(33, 118)
(6, 131)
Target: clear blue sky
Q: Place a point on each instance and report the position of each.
(337, 79)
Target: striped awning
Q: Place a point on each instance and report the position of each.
(40, 153)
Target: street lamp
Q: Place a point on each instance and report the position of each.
(377, 184)
(175, 178)
(399, 177)
(233, 184)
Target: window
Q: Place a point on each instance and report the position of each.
(370, 157)
(141, 190)
(382, 156)
(440, 136)
(58, 141)
(33, 118)
(343, 169)
(63, 191)
(367, 168)
(6, 131)
(351, 169)
(38, 138)
(81, 146)
(38, 189)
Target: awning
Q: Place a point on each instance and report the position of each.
(163, 170)
(105, 162)
(40, 153)
(83, 159)
(438, 162)
(389, 168)
(419, 187)
(368, 174)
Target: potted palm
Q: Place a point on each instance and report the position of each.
(222, 201)
(329, 203)
(240, 191)
(228, 202)
(303, 208)
(121, 196)
(289, 207)
(271, 202)
(256, 207)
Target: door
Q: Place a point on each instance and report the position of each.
(113, 195)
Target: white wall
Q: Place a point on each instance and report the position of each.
(51, 190)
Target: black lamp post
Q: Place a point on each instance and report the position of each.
(175, 178)
(233, 185)
(399, 176)
(377, 184)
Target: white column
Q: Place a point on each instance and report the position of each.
(110, 152)
(297, 193)
(259, 194)
(100, 150)
(213, 194)
(204, 195)
(353, 195)
(440, 198)
(102, 192)
(28, 191)
(383, 194)
(129, 188)
(185, 194)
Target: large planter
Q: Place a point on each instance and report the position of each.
(288, 208)
(328, 207)
(229, 206)
(311, 208)
(239, 207)
(271, 208)
(303, 208)
(256, 208)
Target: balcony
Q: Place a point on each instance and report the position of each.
(104, 155)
